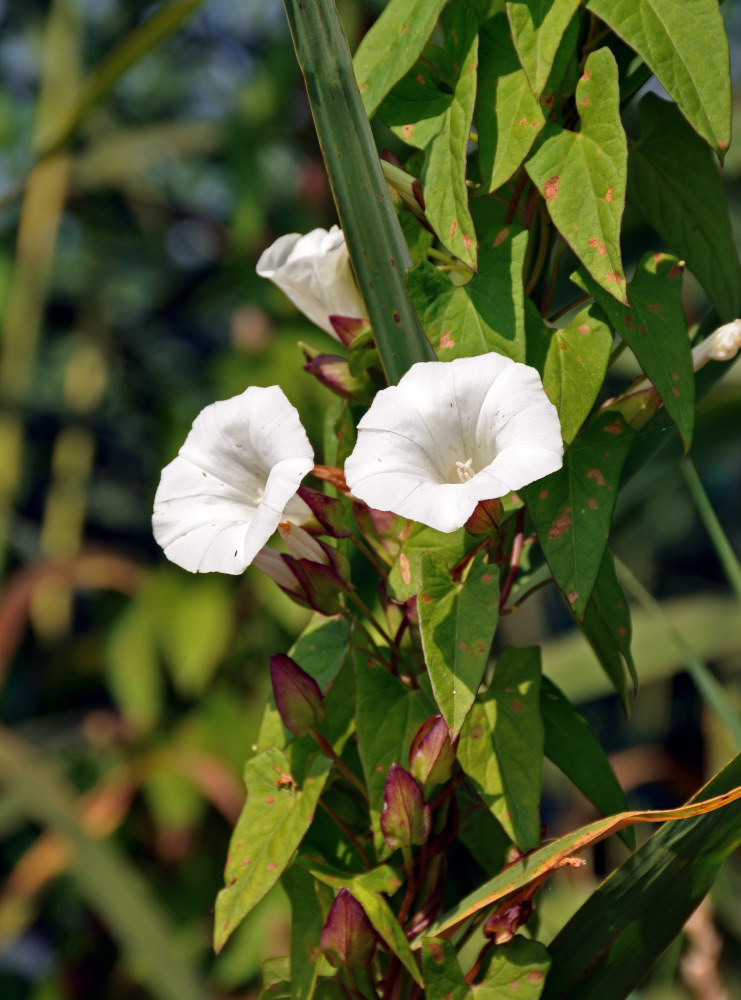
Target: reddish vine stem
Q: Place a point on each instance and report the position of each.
(342, 769)
(572, 305)
(514, 200)
(474, 970)
(530, 206)
(514, 561)
(348, 833)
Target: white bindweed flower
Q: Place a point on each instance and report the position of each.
(314, 272)
(722, 345)
(233, 481)
(453, 433)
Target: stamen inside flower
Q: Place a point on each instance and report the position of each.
(465, 470)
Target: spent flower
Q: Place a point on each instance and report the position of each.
(451, 434)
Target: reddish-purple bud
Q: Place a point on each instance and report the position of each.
(504, 921)
(297, 695)
(485, 518)
(347, 938)
(348, 329)
(334, 372)
(328, 512)
(432, 754)
(406, 818)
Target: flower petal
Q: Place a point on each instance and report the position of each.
(452, 434)
(233, 481)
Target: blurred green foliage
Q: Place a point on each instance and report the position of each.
(131, 693)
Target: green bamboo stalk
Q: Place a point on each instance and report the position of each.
(718, 537)
(377, 248)
(710, 690)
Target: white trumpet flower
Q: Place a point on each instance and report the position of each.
(233, 481)
(453, 433)
(314, 272)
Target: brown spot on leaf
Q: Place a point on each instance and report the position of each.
(550, 189)
(501, 236)
(561, 524)
(614, 428)
(522, 121)
(573, 596)
(269, 800)
(461, 645)
(608, 194)
(675, 376)
(654, 307)
(436, 950)
(592, 504)
(477, 732)
(722, 144)
(584, 101)
(405, 570)
(467, 241)
(535, 976)
(515, 705)
(543, 494)
(583, 329)
(425, 599)
(675, 391)
(404, 27)
(487, 578)
(622, 631)
(597, 476)
(446, 341)
(272, 866)
(407, 131)
(421, 79)
(675, 271)
(453, 228)
(586, 75)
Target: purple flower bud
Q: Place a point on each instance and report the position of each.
(432, 755)
(297, 695)
(405, 819)
(347, 938)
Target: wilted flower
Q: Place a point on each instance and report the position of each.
(722, 345)
(452, 433)
(406, 818)
(314, 272)
(233, 481)
(347, 938)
